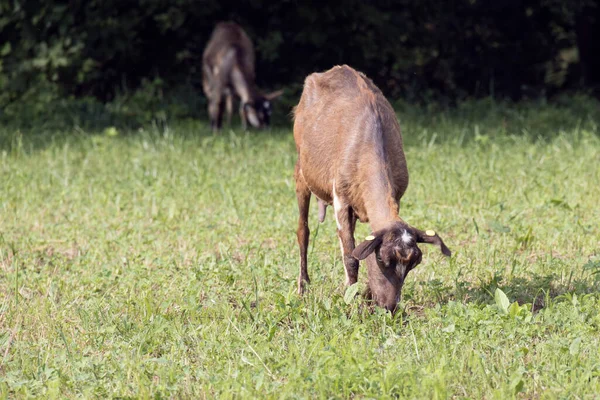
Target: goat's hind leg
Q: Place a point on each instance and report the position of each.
(228, 106)
(215, 111)
(303, 196)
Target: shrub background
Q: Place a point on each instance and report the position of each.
(88, 59)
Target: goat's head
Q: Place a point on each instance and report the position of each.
(391, 253)
(258, 111)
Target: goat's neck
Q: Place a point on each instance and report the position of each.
(379, 201)
(243, 87)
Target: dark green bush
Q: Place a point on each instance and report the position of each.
(140, 60)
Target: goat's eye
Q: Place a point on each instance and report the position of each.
(378, 258)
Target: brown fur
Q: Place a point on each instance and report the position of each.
(348, 140)
(228, 69)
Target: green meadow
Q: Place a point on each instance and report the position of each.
(161, 262)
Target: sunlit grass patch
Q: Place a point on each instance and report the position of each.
(163, 262)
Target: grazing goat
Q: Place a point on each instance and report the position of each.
(228, 69)
(350, 155)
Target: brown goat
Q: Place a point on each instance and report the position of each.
(228, 70)
(350, 155)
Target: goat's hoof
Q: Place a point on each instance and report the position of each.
(302, 286)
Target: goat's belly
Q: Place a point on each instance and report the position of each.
(315, 184)
(322, 195)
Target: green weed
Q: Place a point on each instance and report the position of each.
(162, 263)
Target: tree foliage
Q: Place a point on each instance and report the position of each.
(54, 50)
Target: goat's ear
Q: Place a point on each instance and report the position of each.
(273, 95)
(432, 237)
(369, 245)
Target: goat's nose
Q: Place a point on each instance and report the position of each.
(392, 307)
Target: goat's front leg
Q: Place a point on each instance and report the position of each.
(303, 196)
(346, 222)
(243, 116)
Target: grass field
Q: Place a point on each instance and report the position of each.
(163, 262)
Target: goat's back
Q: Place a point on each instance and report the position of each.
(339, 101)
(344, 130)
(229, 36)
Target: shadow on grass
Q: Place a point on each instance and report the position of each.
(536, 290)
(15, 140)
(482, 121)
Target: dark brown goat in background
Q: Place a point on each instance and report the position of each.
(228, 70)
(350, 154)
